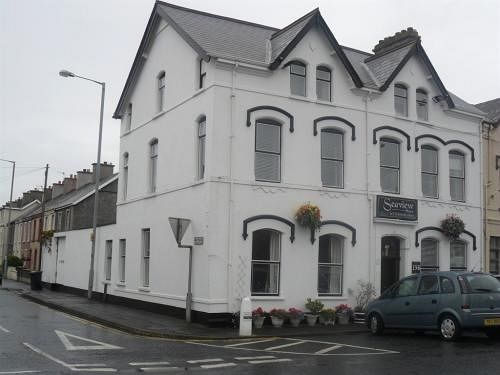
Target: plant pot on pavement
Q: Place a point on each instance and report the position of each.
(277, 321)
(311, 319)
(295, 322)
(343, 319)
(258, 321)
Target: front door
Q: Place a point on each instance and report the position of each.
(60, 255)
(389, 271)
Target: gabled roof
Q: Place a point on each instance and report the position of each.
(492, 110)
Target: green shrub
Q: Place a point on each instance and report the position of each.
(13, 261)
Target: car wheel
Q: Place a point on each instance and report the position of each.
(375, 324)
(493, 333)
(449, 328)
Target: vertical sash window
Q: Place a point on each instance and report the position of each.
(330, 265)
(429, 172)
(389, 166)
(332, 158)
(266, 259)
(267, 151)
(298, 78)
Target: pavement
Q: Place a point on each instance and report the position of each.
(146, 323)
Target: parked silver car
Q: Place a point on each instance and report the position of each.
(445, 301)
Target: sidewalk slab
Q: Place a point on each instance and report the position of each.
(146, 323)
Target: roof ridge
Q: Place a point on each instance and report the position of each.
(376, 56)
(215, 15)
(280, 31)
(357, 50)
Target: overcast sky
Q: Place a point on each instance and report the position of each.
(48, 119)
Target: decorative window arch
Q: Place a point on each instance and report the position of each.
(335, 118)
(437, 229)
(445, 143)
(340, 223)
(268, 217)
(397, 130)
(270, 108)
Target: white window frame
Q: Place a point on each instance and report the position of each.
(161, 82)
(404, 99)
(464, 244)
(202, 144)
(341, 161)
(422, 102)
(108, 254)
(430, 267)
(153, 165)
(145, 257)
(324, 69)
(462, 179)
(424, 149)
(294, 73)
(382, 166)
(122, 246)
(266, 262)
(267, 122)
(494, 248)
(333, 266)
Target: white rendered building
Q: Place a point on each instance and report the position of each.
(235, 125)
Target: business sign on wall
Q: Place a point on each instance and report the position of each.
(397, 208)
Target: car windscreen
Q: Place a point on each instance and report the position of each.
(483, 283)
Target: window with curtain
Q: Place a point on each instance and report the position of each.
(458, 256)
(201, 147)
(267, 151)
(153, 165)
(122, 254)
(495, 255)
(323, 83)
(298, 78)
(389, 166)
(330, 264)
(332, 158)
(125, 175)
(107, 261)
(457, 176)
(401, 100)
(429, 172)
(266, 258)
(145, 256)
(161, 91)
(429, 260)
(422, 105)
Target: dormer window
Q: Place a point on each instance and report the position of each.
(298, 78)
(161, 91)
(401, 100)
(422, 107)
(323, 83)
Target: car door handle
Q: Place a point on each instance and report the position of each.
(407, 303)
(434, 301)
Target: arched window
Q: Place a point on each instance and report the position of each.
(266, 258)
(323, 83)
(457, 176)
(389, 165)
(430, 255)
(330, 264)
(267, 151)
(422, 105)
(201, 147)
(125, 175)
(458, 255)
(298, 78)
(153, 164)
(401, 99)
(429, 172)
(332, 158)
(161, 91)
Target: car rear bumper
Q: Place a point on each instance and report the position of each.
(481, 320)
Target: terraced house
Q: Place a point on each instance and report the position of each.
(236, 125)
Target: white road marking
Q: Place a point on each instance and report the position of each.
(86, 364)
(72, 367)
(270, 361)
(326, 350)
(205, 360)
(4, 330)
(149, 363)
(63, 336)
(19, 372)
(157, 369)
(284, 346)
(257, 357)
(219, 365)
(248, 343)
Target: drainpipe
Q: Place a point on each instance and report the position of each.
(368, 196)
(229, 284)
(486, 185)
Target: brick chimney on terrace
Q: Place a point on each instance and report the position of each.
(84, 177)
(398, 40)
(106, 170)
(69, 184)
(57, 189)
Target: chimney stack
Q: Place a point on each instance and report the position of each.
(106, 170)
(396, 41)
(57, 189)
(83, 178)
(69, 184)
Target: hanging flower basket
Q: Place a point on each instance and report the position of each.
(309, 216)
(47, 236)
(452, 226)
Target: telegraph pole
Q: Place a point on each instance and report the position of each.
(39, 265)
(6, 239)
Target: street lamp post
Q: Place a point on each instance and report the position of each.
(65, 73)
(5, 249)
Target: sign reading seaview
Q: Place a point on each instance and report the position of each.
(397, 208)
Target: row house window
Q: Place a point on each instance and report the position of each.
(401, 102)
(268, 151)
(457, 176)
(122, 249)
(298, 81)
(430, 255)
(153, 164)
(146, 248)
(429, 172)
(495, 255)
(332, 158)
(108, 253)
(161, 91)
(266, 263)
(125, 175)
(389, 165)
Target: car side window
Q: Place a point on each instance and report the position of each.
(446, 285)
(428, 285)
(407, 287)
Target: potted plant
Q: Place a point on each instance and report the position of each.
(295, 316)
(452, 226)
(366, 293)
(278, 316)
(344, 313)
(258, 317)
(314, 308)
(327, 315)
(309, 216)
(12, 263)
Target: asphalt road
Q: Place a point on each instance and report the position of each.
(35, 339)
